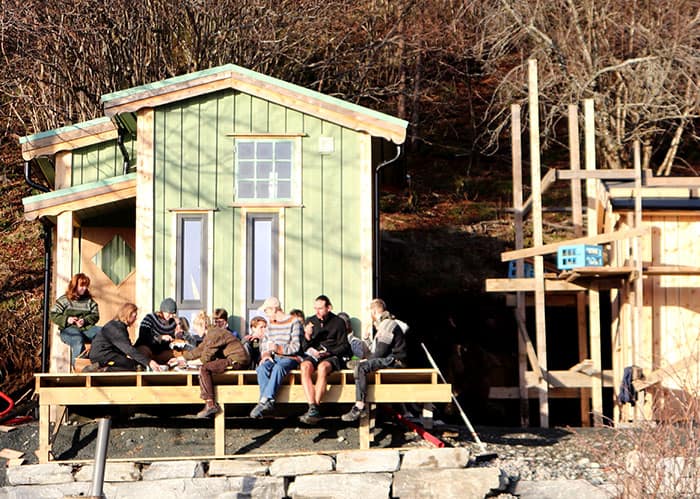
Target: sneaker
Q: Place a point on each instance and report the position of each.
(352, 364)
(353, 414)
(263, 407)
(209, 411)
(312, 416)
(92, 368)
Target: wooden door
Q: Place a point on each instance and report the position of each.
(107, 256)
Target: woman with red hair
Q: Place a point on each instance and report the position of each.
(76, 313)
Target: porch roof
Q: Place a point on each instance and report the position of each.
(83, 198)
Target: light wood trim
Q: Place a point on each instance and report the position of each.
(69, 141)
(144, 211)
(78, 201)
(545, 184)
(617, 174)
(263, 135)
(60, 353)
(366, 225)
(506, 256)
(64, 168)
(505, 285)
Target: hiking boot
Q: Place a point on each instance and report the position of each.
(353, 414)
(263, 407)
(312, 416)
(92, 368)
(209, 411)
(353, 363)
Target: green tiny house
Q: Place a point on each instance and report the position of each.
(227, 185)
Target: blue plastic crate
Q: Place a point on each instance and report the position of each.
(580, 255)
(528, 270)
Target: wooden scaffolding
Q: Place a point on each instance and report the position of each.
(648, 227)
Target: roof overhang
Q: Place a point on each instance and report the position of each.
(81, 198)
(67, 138)
(277, 91)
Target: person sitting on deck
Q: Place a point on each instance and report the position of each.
(219, 351)
(279, 354)
(388, 349)
(76, 313)
(325, 344)
(112, 349)
(156, 332)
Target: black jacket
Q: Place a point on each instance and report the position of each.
(112, 343)
(329, 334)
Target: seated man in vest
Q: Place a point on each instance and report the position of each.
(388, 349)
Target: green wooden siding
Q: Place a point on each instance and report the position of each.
(100, 161)
(194, 168)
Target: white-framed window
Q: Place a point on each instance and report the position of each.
(191, 277)
(267, 170)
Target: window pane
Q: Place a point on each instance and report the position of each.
(262, 190)
(284, 169)
(262, 259)
(263, 170)
(264, 150)
(246, 169)
(284, 189)
(191, 259)
(246, 150)
(283, 150)
(246, 189)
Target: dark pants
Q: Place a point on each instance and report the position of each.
(365, 368)
(206, 383)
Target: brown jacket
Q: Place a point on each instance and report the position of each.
(220, 344)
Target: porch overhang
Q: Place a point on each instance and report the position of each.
(81, 198)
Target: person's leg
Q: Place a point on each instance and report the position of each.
(72, 337)
(263, 372)
(90, 333)
(362, 372)
(307, 370)
(324, 369)
(206, 385)
(163, 356)
(282, 367)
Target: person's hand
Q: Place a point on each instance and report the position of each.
(166, 337)
(80, 322)
(71, 320)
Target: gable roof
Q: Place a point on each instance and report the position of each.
(287, 94)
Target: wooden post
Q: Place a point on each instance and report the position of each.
(144, 211)
(540, 329)
(638, 304)
(520, 313)
(577, 214)
(593, 294)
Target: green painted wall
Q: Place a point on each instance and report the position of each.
(194, 168)
(100, 161)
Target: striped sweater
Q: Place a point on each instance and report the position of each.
(152, 328)
(285, 333)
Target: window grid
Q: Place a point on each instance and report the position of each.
(264, 169)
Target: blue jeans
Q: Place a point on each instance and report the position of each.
(363, 370)
(76, 339)
(272, 374)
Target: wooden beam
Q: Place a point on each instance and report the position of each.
(69, 140)
(600, 174)
(144, 211)
(545, 183)
(525, 348)
(507, 256)
(518, 284)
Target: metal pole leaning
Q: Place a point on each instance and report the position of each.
(100, 457)
(484, 456)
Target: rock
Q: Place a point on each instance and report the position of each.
(341, 486)
(446, 484)
(34, 474)
(236, 468)
(114, 472)
(370, 461)
(560, 489)
(435, 458)
(301, 465)
(162, 470)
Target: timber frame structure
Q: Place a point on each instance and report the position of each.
(648, 227)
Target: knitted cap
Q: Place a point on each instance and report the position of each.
(168, 305)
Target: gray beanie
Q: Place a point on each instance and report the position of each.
(168, 305)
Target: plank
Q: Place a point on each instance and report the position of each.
(8, 453)
(546, 249)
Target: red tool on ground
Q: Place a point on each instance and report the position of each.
(429, 437)
(10, 405)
